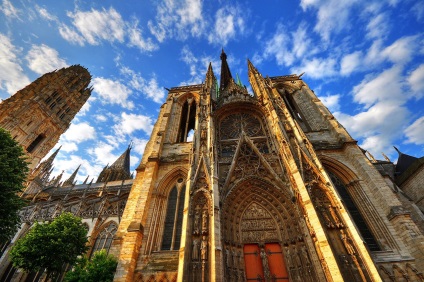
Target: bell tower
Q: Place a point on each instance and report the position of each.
(239, 186)
(37, 115)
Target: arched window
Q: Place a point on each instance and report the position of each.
(171, 238)
(188, 119)
(354, 213)
(105, 238)
(35, 143)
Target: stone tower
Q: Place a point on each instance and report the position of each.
(271, 187)
(37, 115)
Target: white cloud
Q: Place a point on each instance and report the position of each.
(79, 132)
(42, 59)
(71, 35)
(416, 81)
(132, 122)
(331, 102)
(178, 19)
(287, 47)
(136, 39)
(418, 10)
(69, 163)
(333, 15)
(378, 26)
(139, 145)
(101, 118)
(9, 10)
(97, 25)
(317, 68)
(12, 77)
(45, 14)
(149, 88)
(350, 63)
(386, 85)
(415, 132)
(112, 92)
(198, 65)
(401, 50)
(229, 22)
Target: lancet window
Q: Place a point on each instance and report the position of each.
(171, 238)
(355, 214)
(188, 120)
(105, 238)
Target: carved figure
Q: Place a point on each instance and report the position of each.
(205, 222)
(348, 243)
(196, 222)
(204, 248)
(195, 253)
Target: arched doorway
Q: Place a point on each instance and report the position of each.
(264, 235)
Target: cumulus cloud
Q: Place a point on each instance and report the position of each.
(350, 63)
(76, 134)
(415, 132)
(384, 113)
(416, 81)
(42, 59)
(229, 23)
(331, 102)
(386, 85)
(12, 77)
(317, 68)
(112, 92)
(95, 26)
(178, 19)
(79, 132)
(132, 122)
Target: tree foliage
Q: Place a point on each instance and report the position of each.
(100, 268)
(51, 245)
(13, 172)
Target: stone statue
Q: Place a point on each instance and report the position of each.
(195, 253)
(347, 242)
(205, 222)
(196, 223)
(204, 248)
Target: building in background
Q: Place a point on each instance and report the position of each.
(37, 115)
(271, 187)
(100, 204)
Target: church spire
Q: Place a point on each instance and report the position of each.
(225, 72)
(71, 179)
(43, 170)
(119, 170)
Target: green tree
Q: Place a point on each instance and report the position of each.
(100, 268)
(49, 246)
(13, 172)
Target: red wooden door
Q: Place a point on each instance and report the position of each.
(253, 263)
(277, 266)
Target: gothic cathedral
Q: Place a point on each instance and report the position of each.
(268, 186)
(37, 115)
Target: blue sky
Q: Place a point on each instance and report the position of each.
(364, 59)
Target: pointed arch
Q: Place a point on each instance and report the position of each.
(104, 237)
(165, 226)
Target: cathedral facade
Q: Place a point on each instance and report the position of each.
(270, 188)
(37, 115)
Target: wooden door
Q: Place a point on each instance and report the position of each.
(277, 266)
(253, 263)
